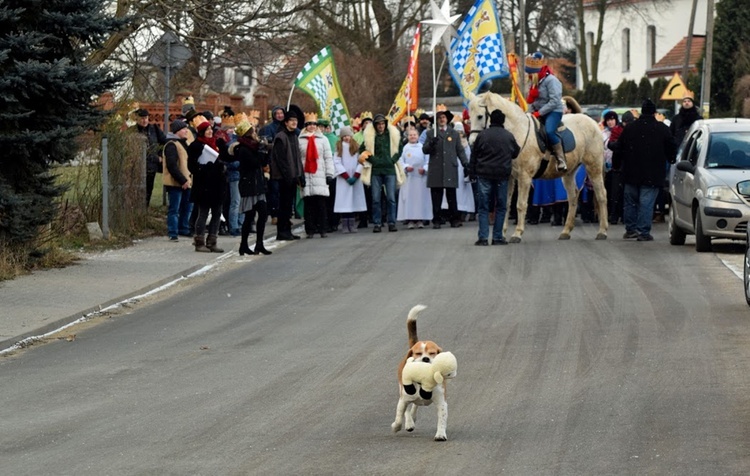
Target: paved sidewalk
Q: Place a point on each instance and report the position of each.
(44, 301)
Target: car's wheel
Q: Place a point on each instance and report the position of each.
(676, 235)
(746, 271)
(702, 242)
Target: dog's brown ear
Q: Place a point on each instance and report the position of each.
(410, 353)
(439, 349)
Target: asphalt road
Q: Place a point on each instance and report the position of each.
(575, 357)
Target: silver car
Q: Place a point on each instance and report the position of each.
(710, 184)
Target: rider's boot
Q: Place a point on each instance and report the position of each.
(557, 151)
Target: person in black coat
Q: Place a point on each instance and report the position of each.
(209, 184)
(253, 189)
(685, 118)
(490, 165)
(647, 146)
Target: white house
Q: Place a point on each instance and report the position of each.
(645, 38)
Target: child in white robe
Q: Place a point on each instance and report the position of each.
(350, 193)
(414, 200)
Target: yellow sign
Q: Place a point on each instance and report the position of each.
(675, 89)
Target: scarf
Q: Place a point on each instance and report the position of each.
(248, 142)
(311, 156)
(211, 142)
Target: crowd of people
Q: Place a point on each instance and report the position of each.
(419, 172)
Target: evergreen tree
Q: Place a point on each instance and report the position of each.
(730, 54)
(46, 94)
(660, 85)
(645, 90)
(626, 93)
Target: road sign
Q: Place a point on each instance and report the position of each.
(675, 89)
(169, 51)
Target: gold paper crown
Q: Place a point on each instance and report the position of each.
(197, 119)
(441, 107)
(240, 117)
(356, 123)
(243, 127)
(365, 115)
(311, 117)
(228, 122)
(419, 112)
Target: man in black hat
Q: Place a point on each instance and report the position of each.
(287, 170)
(491, 164)
(155, 140)
(647, 146)
(443, 144)
(425, 122)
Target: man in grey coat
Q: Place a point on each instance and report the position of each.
(443, 144)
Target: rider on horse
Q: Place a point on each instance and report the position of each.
(545, 102)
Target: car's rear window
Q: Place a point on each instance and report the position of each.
(729, 150)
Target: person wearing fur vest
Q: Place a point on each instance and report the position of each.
(317, 158)
(381, 148)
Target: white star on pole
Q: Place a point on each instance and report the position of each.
(442, 24)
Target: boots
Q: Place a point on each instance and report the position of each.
(200, 244)
(557, 151)
(244, 249)
(345, 225)
(259, 235)
(211, 244)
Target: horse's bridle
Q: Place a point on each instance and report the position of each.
(487, 118)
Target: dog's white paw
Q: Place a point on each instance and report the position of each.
(410, 427)
(396, 427)
(440, 437)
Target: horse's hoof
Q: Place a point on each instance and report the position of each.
(514, 239)
(564, 236)
(601, 236)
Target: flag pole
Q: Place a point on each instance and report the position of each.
(289, 101)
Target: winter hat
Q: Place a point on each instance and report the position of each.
(648, 107)
(208, 115)
(322, 121)
(345, 131)
(290, 115)
(227, 111)
(610, 115)
(201, 128)
(141, 112)
(627, 117)
(424, 116)
(534, 62)
(497, 117)
(177, 126)
(379, 118)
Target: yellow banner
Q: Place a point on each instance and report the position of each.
(406, 99)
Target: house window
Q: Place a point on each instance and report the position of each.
(626, 50)
(650, 46)
(242, 78)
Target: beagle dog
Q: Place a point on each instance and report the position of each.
(412, 396)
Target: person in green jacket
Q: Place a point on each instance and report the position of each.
(380, 148)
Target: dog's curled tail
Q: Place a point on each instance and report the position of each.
(411, 323)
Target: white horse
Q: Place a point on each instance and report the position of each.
(589, 152)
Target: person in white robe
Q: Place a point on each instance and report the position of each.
(414, 199)
(350, 192)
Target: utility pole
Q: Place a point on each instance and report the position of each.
(706, 89)
(521, 48)
(689, 44)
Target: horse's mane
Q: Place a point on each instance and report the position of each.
(572, 104)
